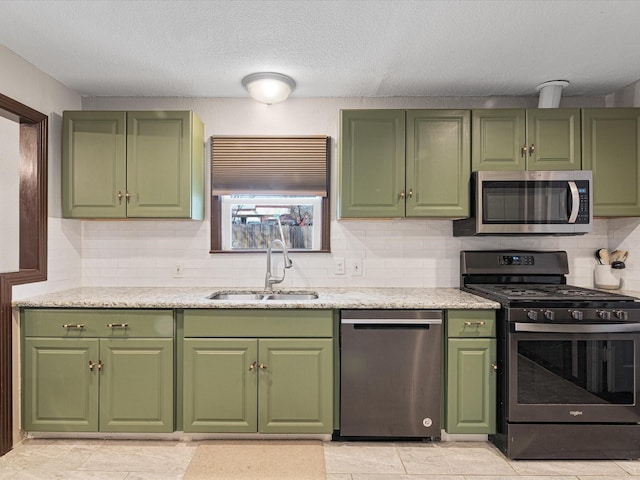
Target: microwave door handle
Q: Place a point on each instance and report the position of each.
(575, 202)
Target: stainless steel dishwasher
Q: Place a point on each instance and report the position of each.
(390, 373)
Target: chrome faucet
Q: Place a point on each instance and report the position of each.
(270, 279)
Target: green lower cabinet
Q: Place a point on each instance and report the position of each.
(60, 388)
(471, 385)
(98, 370)
(136, 385)
(295, 385)
(258, 385)
(220, 385)
(470, 375)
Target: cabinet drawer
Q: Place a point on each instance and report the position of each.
(85, 323)
(258, 323)
(471, 323)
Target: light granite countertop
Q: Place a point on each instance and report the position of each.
(196, 297)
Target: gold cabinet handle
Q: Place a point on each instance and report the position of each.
(402, 195)
(262, 366)
(523, 150)
(532, 149)
(100, 365)
(127, 195)
(91, 365)
(119, 196)
(411, 193)
(494, 365)
(252, 366)
(474, 324)
(69, 326)
(117, 325)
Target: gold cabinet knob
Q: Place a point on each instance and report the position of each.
(252, 366)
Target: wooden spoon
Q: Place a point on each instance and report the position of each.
(603, 253)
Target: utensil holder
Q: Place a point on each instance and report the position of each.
(604, 278)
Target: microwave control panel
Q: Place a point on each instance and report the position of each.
(583, 210)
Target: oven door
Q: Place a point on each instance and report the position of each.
(573, 373)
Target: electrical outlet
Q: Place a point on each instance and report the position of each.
(355, 267)
(338, 266)
(178, 272)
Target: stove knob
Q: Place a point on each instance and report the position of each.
(604, 315)
(576, 314)
(621, 314)
(549, 314)
(532, 315)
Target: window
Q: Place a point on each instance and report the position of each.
(256, 180)
(249, 222)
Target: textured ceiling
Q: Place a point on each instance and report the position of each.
(332, 48)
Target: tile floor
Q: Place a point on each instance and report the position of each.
(167, 460)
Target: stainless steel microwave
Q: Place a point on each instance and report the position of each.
(529, 202)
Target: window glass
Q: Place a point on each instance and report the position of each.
(248, 222)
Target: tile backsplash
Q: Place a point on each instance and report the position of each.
(391, 253)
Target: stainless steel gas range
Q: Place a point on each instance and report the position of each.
(568, 359)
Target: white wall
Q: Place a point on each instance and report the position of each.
(23, 82)
(9, 195)
(26, 84)
(403, 252)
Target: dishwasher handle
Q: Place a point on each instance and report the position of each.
(391, 317)
(391, 322)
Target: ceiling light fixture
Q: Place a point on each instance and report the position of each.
(268, 87)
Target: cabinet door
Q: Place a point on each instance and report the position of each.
(59, 385)
(372, 163)
(610, 149)
(159, 164)
(220, 385)
(553, 139)
(295, 386)
(471, 385)
(438, 163)
(136, 385)
(93, 164)
(497, 139)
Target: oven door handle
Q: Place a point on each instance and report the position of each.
(577, 328)
(575, 202)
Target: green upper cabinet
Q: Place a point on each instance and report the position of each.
(132, 164)
(610, 149)
(372, 163)
(94, 159)
(533, 139)
(437, 164)
(397, 163)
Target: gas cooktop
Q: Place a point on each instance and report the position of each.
(515, 292)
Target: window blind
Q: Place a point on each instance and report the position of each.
(269, 165)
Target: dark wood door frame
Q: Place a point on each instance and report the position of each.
(32, 238)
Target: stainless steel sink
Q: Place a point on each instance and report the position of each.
(238, 296)
(292, 296)
(261, 296)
